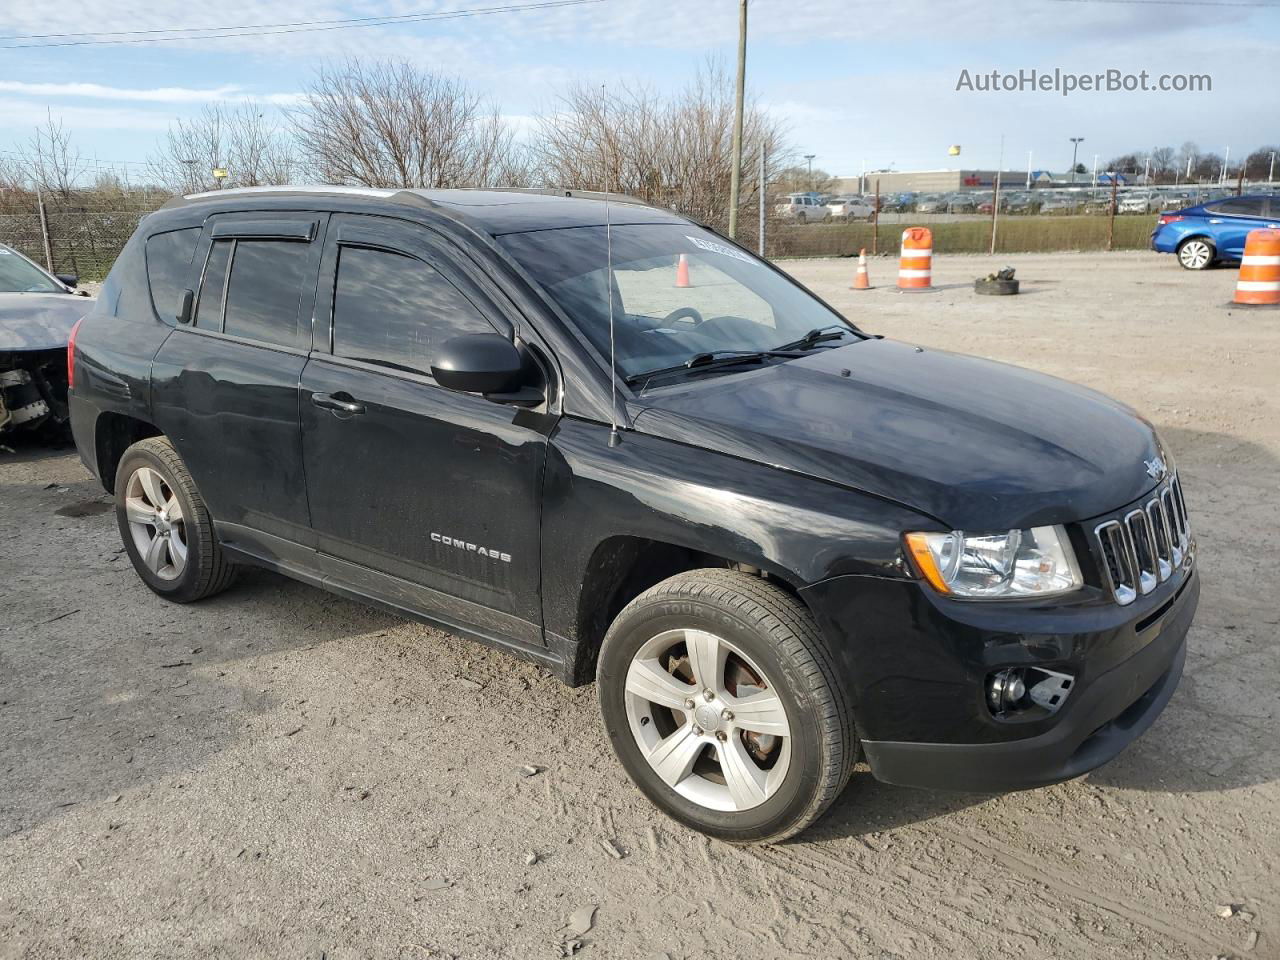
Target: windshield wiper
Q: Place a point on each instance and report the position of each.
(715, 358)
(832, 331)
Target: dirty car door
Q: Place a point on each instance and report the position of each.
(435, 490)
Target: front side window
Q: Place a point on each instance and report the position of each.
(734, 301)
(19, 275)
(395, 310)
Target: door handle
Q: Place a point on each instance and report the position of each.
(337, 403)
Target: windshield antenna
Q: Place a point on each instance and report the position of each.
(614, 437)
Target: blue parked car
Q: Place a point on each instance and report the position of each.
(1214, 231)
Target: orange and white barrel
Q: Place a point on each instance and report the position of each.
(1259, 281)
(915, 268)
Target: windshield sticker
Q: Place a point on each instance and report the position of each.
(719, 248)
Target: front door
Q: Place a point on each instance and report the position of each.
(436, 491)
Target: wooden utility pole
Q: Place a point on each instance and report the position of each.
(875, 223)
(1111, 221)
(44, 230)
(995, 208)
(735, 173)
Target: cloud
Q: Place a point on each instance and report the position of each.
(21, 115)
(97, 91)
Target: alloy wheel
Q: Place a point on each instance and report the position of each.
(1195, 254)
(156, 523)
(707, 720)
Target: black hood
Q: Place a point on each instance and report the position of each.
(39, 321)
(976, 444)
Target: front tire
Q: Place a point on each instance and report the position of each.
(1196, 253)
(721, 701)
(165, 525)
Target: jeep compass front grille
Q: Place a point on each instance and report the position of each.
(1141, 549)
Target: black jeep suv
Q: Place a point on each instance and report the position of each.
(604, 438)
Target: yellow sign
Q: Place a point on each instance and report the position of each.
(954, 150)
(219, 173)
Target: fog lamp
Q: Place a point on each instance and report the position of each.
(1004, 689)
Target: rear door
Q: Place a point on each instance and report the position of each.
(225, 384)
(413, 487)
(1231, 220)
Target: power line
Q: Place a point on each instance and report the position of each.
(276, 29)
(1207, 4)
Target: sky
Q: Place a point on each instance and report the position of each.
(857, 84)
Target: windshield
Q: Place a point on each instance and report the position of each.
(17, 275)
(732, 301)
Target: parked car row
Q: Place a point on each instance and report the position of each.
(819, 208)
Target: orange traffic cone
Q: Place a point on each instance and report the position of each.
(1259, 281)
(682, 272)
(861, 281)
(915, 269)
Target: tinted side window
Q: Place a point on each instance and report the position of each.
(266, 283)
(168, 260)
(213, 285)
(1239, 207)
(396, 310)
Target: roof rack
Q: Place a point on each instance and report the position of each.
(302, 188)
(573, 192)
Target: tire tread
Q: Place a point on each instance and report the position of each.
(780, 616)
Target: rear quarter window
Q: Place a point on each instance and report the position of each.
(168, 264)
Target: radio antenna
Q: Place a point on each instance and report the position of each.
(614, 437)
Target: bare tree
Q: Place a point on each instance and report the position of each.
(50, 161)
(672, 151)
(1162, 162)
(1188, 157)
(392, 125)
(252, 146)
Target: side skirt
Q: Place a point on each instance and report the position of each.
(396, 596)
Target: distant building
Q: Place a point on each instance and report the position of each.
(929, 181)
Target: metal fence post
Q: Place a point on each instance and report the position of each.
(762, 192)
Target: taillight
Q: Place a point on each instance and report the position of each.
(71, 353)
(1168, 218)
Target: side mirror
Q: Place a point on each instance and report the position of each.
(479, 363)
(69, 279)
(184, 307)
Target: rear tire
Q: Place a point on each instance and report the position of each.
(748, 646)
(165, 525)
(1196, 253)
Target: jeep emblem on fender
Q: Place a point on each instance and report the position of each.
(1155, 468)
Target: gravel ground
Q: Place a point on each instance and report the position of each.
(281, 773)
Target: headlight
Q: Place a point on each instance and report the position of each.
(1020, 563)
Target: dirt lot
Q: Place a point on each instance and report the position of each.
(281, 773)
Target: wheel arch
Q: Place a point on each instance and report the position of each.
(623, 567)
(114, 433)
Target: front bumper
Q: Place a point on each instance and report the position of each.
(918, 695)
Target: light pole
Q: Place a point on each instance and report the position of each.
(1075, 146)
(809, 159)
(1271, 170)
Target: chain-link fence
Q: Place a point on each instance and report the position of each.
(76, 232)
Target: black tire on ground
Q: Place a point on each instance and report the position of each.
(1191, 256)
(995, 288)
(780, 636)
(207, 570)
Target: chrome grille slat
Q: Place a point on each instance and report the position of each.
(1143, 548)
